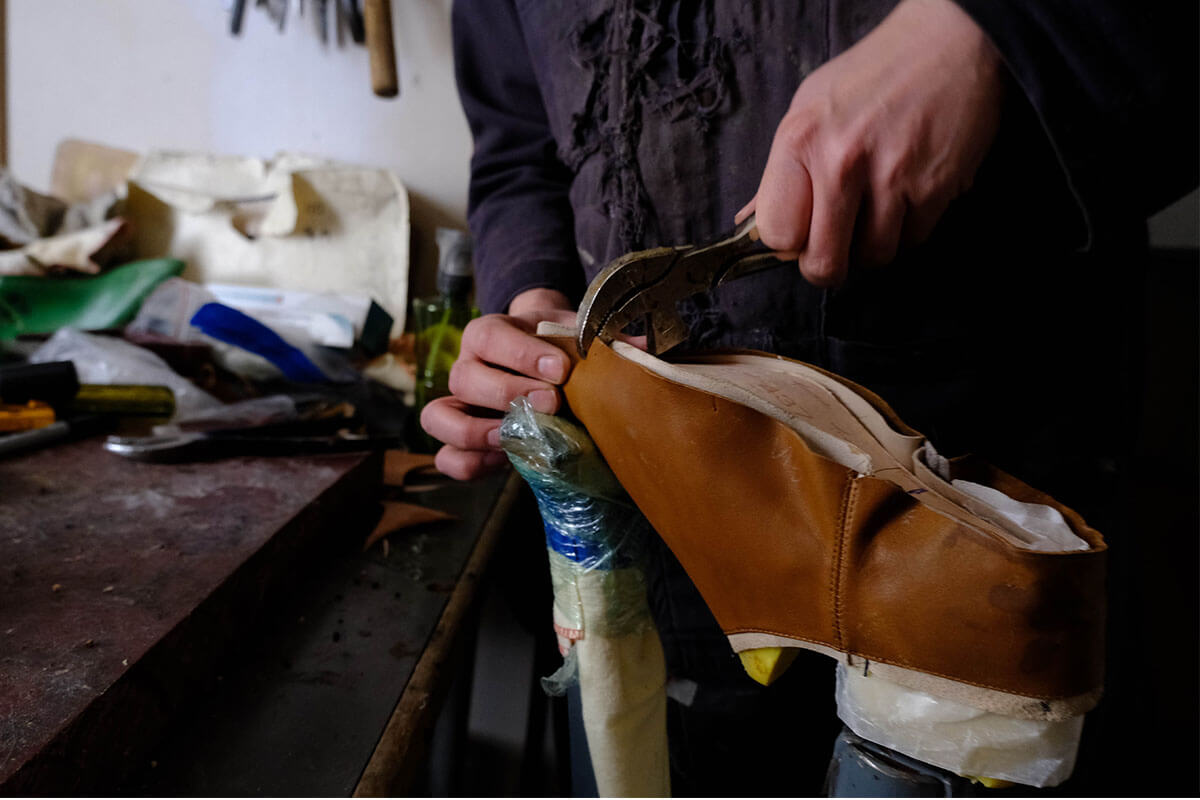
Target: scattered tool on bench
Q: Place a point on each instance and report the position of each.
(205, 446)
(41, 404)
(56, 383)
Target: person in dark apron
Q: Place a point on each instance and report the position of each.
(966, 185)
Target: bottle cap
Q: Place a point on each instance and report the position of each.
(455, 270)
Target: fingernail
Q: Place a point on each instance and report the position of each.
(745, 212)
(493, 437)
(543, 400)
(551, 368)
(494, 457)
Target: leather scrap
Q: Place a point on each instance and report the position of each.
(399, 465)
(398, 516)
(86, 251)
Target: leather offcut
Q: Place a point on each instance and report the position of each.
(881, 567)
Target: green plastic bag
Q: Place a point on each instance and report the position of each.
(43, 305)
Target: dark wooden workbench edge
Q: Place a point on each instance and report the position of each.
(393, 766)
(108, 740)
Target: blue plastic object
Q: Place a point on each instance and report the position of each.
(241, 330)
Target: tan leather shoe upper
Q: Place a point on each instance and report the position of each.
(806, 519)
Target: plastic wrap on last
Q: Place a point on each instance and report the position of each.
(589, 519)
(596, 540)
(591, 528)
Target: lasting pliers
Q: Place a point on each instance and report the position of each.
(647, 285)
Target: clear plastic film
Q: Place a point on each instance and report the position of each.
(956, 737)
(591, 526)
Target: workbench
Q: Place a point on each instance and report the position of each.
(216, 629)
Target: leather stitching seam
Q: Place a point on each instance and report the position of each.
(835, 582)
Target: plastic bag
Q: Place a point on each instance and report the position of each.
(43, 305)
(957, 737)
(169, 309)
(104, 359)
(597, 545)
(172, 308)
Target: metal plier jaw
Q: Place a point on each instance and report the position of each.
(647, 285)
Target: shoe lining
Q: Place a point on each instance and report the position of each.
(819, 409)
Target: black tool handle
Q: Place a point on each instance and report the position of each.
(235, 22)
(54, 382)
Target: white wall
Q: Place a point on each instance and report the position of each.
(141, 74)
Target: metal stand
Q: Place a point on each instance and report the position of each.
(860, 768)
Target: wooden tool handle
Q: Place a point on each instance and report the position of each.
(377, 18)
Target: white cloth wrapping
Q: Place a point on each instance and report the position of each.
(603, 615)
(622, 683)
(595, 542)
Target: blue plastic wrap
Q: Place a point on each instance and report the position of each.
(591, 526)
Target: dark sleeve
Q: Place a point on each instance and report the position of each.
(1114, 85)
(518, 209)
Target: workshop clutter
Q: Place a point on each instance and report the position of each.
(596, 540)
(227, 282)
(43, 235)
(295, 222)
(36, 304)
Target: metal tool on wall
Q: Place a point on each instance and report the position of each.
(377, 19)
(321, 19)
(350, 13)
(368, 22)
(237, 13)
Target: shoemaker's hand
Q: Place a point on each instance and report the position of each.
(879, 140)
(500, 359)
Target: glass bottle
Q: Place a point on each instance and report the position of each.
(439, 320)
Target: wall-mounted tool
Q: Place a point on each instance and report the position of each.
(321, 19)
(377, 19)
(236, 15)
(350, 12)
